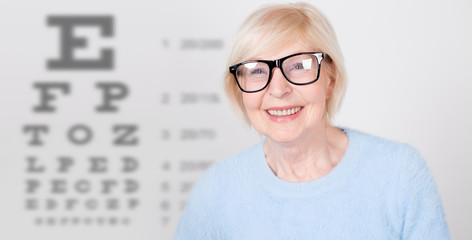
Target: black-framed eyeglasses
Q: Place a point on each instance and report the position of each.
(299, 69)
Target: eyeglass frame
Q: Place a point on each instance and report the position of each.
(278, 63)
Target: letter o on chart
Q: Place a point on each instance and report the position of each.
(80, 134)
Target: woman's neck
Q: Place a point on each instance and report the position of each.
(311, 157)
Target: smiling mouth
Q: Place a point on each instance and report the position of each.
(285, 112)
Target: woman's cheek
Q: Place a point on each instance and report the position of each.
(252, 101)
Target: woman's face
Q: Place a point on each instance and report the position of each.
(262, 107)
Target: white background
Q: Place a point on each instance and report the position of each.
(408, 63)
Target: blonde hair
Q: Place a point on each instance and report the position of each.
(274, 27)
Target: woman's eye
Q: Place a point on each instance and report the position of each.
(257, 71)
(299, 66)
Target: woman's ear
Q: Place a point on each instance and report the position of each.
(331, 83)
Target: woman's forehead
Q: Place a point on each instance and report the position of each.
(278, 51)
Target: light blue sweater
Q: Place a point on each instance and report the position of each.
(380, 190)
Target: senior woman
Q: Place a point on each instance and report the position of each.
(306, 179)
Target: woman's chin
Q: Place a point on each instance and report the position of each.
(283, 138)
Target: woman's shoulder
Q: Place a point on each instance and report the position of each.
(382, 152)
(393, 165)
(407, 183)
(371, 144)
(234, 168)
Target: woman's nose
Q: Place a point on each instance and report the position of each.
(279, 86)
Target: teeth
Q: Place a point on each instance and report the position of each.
(284, 112)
